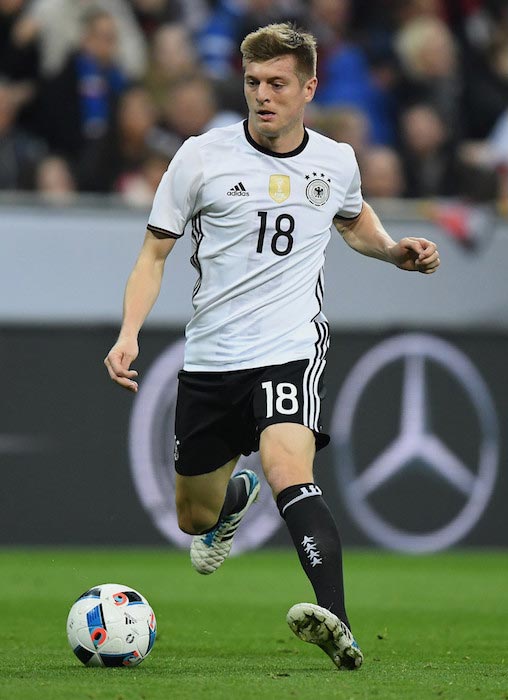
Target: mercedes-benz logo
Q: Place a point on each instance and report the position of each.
(416, 443)
(151, 445)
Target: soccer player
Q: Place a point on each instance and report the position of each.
(260, 199)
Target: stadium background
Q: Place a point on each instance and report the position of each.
(430, 145)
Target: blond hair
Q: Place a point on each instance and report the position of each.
(283, 39)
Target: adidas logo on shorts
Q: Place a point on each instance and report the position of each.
(238, 191)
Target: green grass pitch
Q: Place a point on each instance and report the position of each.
(433, 627)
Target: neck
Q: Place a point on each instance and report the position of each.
(279, 143)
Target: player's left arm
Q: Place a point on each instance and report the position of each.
(366, 234)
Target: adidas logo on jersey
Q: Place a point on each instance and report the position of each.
(238, 191)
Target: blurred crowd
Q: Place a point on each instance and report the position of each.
(97, 95)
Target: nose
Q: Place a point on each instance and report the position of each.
(262, 94)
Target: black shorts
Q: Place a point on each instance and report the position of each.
(220, 415)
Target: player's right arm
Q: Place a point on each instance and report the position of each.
(141, 292)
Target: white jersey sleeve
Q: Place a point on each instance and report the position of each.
(177, 198)
(353, 200)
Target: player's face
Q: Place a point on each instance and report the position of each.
(276, 100)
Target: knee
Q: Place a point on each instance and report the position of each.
(287, 455)
(279, 478)
(195, 519)
(282, 473)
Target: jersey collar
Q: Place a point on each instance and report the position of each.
(267, 151)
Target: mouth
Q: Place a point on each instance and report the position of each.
(265, 115)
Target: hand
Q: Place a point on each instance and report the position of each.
(416, 255)
(118, 362)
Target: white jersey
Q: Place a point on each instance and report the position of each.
(260, 223)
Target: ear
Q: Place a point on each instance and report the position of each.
(310, 88)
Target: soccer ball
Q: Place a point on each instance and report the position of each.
(111, 625)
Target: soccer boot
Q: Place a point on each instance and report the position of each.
(208, 551)
(318, 625)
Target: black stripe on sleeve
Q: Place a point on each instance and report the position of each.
(348, 218)
(162, 233)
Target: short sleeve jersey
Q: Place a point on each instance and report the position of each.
(260, 222)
